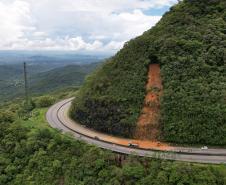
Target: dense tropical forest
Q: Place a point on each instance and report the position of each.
(33, 153)
(189, 43)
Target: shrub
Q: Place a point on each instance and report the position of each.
(45, 101)
(7, 117)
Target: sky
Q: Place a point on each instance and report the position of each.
(88, 26)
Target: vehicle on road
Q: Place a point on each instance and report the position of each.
(204, 148)
(133, 145)
(56, 119)
(158, 144)
(97, 138)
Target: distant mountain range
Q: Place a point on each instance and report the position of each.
(46, 72)
(72, 75)
(57, 58)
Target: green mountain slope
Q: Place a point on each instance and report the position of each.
(33, 153)
(11, 79)
(190, 45)
(72, 75)
(6, 71)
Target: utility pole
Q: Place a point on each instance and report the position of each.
(25, 83)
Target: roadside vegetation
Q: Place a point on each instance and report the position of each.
(33, 153)
(189, 44)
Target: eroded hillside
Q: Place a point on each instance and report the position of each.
(189, 43)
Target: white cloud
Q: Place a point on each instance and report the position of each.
(112, 5)
(114, 45)
(15, 20)
(67, 43)
(39, 34)
(79, 25)
(136, 20)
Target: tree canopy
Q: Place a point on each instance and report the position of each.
(190, 45)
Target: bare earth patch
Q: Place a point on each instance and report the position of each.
(148, 127)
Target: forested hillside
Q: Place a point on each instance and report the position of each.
(33, 153)
(71, 75)
(189, 43)
(41, 78)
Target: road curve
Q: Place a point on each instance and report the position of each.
(57, 117)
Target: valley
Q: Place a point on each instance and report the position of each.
(41, 78)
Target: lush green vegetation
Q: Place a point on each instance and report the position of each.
(41, 78)
(45, 101)
(59, 78)
(189, 43)
(32, 153)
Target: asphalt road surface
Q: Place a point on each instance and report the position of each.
(57, 117)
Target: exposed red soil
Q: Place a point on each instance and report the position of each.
(144, 144)
(148, 127)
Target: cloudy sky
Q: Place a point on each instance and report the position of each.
(100, 26)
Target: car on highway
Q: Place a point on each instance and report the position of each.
(204, 148)
(97, 138)
(133, 145)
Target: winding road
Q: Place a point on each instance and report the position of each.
(57, 117)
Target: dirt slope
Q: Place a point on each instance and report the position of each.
(148, 122)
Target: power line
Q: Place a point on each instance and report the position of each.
(25, 83)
